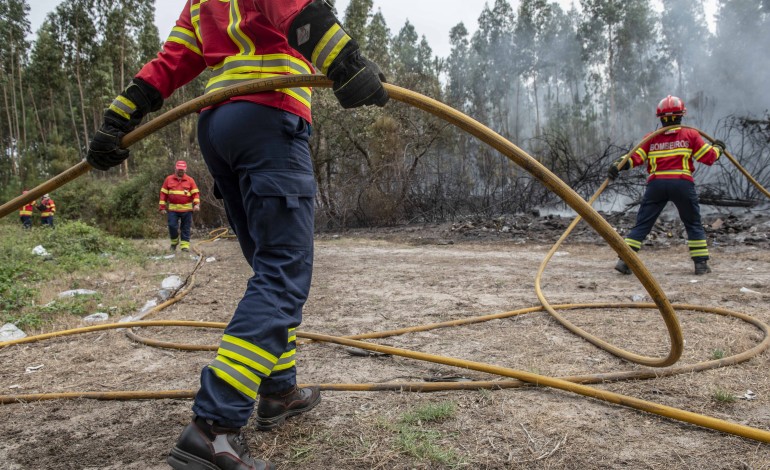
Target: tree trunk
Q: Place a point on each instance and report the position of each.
(72, 118)
(40, 130)
(11, 140)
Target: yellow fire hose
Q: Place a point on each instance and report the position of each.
(583, 208)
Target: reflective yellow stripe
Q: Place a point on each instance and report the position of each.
(179, 192)
(275, 63)
(123, 106)
(180, 207)
(699, 253)
(194, 191)
(641, 154)
(633, 243)
(25, 212)
(696, 243)
(702, 151)
(186, 38)
(300, 94)
(292, 334)
(195, 19)
(329, 47)
(235, 32)
(164, 190)
(671, 172)
(162, 203)
(237, 376)
(286, 361)
(247, 353)
(236, 69)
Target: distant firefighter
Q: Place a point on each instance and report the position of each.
(25, 213)
(47, 209)
(179, 197)
(671, 158)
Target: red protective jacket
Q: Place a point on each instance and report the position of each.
(179, 194)
(47, 207)
(27, 208)
(672, 154)
(237, 40)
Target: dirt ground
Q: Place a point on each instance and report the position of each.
(379, 280)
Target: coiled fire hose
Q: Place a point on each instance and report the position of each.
(518, 156)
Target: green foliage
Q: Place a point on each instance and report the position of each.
(78, 305)
(74, 248)
(723, 396)
(415, 438)
(431, 412)
(717, 354)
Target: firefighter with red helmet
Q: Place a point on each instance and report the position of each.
(256, 149)
(25, 213)
(179, 198)
(670, 157)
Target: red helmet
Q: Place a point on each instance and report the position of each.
(671, 106)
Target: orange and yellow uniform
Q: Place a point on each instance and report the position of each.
(26, 209)
(48, 207)
(179, 194)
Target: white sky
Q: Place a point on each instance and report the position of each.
(431, 18)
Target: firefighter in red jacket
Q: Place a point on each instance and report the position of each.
(47, 209)
(25, 213)
(179, 198)
(256, 149)
(670, 158)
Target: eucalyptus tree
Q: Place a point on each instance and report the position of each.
(685, 53)
(77, 34)
(46, 78)
(378, 43)
(14, 27)
(740, 64)
(356, 18)
(532, 38)
(619, 47)
(496, 97)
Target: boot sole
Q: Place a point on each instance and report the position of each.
(268, 424)
(181, 460)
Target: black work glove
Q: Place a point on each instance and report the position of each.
(358, 81)
(104, 151)
(123, 115)
(719, 144)
(613, 171)
(317, 34)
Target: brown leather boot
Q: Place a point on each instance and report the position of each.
(273, 409)
(205, 446)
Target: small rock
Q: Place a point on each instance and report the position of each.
(172, 282)
(74, 292)
(98, 316)
(9, 332)
(40, 251)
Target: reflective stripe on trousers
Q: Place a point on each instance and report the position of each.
(260, 160)
(682, 193)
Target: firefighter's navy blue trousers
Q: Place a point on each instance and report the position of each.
(260, 160)
(179, 222)
(682, 193)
